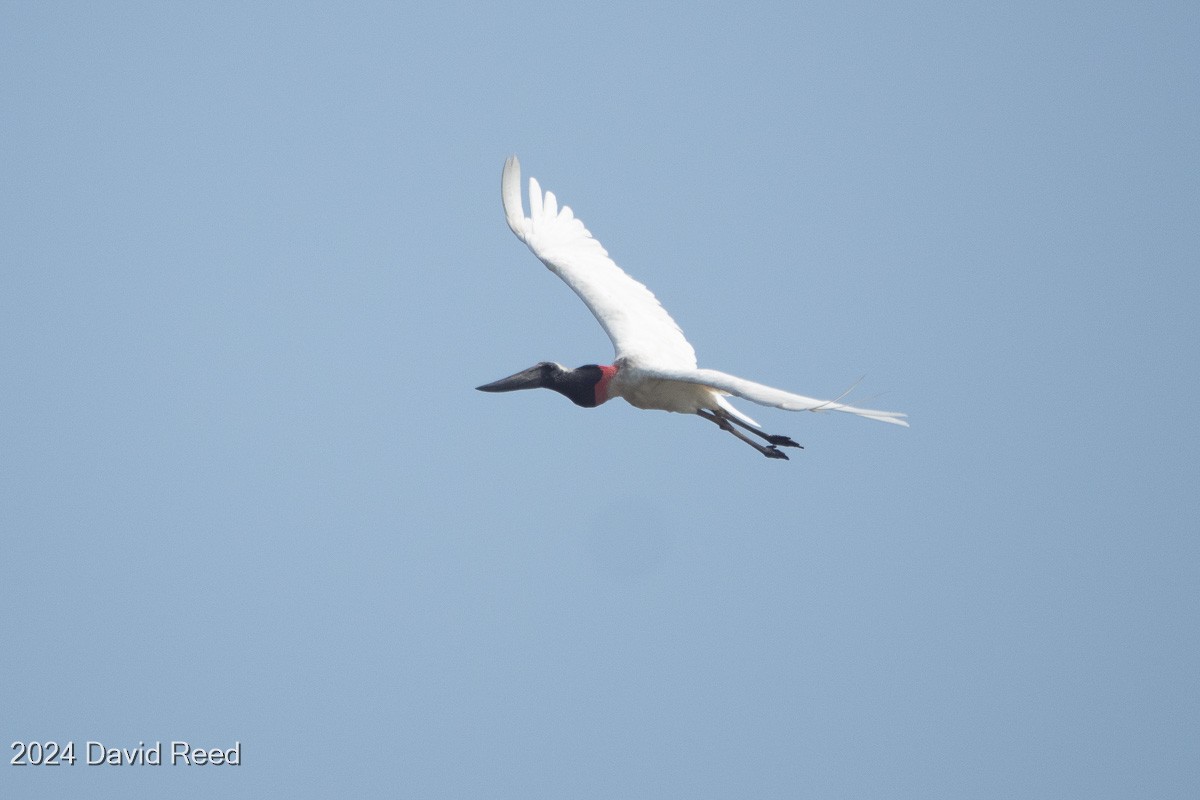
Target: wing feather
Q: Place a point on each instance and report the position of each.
(767, 395)
(641, 330)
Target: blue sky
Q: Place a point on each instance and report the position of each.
(254, 261)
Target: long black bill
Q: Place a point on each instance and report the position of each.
(532, 378)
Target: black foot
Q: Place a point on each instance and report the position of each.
(772, 452)
(783, 441)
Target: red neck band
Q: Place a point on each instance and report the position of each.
(602, 385)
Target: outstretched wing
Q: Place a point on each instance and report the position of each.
(767, 395)
(640, 328)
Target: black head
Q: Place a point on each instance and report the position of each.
(579, 385)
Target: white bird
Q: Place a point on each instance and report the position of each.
(655, 367)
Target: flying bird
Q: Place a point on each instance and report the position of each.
(655, 367)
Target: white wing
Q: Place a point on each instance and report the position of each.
(640, 328)
(766, 395)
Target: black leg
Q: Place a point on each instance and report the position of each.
(782, 441)
(723, 422)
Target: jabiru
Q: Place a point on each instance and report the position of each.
(655, 366)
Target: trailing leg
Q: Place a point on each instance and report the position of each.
(771, 438)
(723, 422)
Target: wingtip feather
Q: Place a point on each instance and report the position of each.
(535, 199)
(894, 417)
(510, 193)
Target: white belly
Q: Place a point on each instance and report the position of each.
(651, 393)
